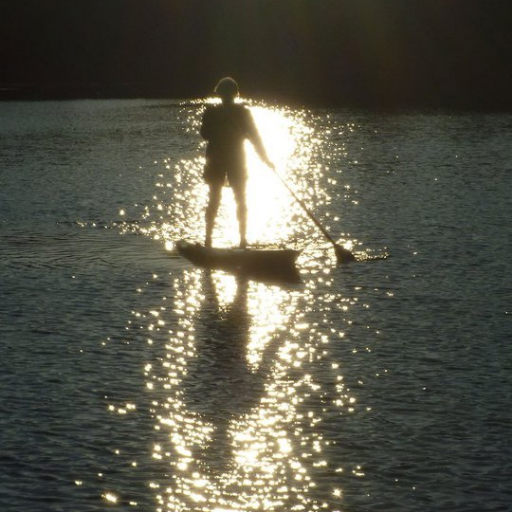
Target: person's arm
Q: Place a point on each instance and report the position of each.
(254, 136)
(205, 130)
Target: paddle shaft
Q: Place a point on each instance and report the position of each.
(308, 211)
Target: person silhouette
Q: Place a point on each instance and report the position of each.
(225, 127)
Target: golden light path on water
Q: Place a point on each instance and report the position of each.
(231, 371)
(230, 395)
(223, 425)
(282, 135)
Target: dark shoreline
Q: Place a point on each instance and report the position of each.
(63, 93)
(389, 54)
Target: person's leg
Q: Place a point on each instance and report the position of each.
(211, 211)
(241, 210)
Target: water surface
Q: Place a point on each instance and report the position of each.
(133, 381)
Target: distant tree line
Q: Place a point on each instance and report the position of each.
(450, 53)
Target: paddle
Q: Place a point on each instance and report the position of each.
(342, 255)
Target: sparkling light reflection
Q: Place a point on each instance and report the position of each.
(271, 213)
(232, 388)
(237, 372)
(229, 399)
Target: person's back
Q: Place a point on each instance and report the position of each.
(226, 123)
(226, 127)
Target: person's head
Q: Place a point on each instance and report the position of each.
(227, 89)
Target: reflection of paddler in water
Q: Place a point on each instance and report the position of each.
(220, 385)
(226, 127)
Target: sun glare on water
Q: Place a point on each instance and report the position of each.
(231, 368)
(269, 204)
(225, 407)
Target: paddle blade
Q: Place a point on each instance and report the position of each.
(343, 255)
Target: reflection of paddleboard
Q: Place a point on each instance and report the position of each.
(271, 263)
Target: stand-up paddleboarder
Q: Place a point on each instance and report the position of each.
(226, 127)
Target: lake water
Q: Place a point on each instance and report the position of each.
(131, 380)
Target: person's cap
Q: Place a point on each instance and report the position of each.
(227, 87)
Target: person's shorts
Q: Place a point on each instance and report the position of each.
(235, 177)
